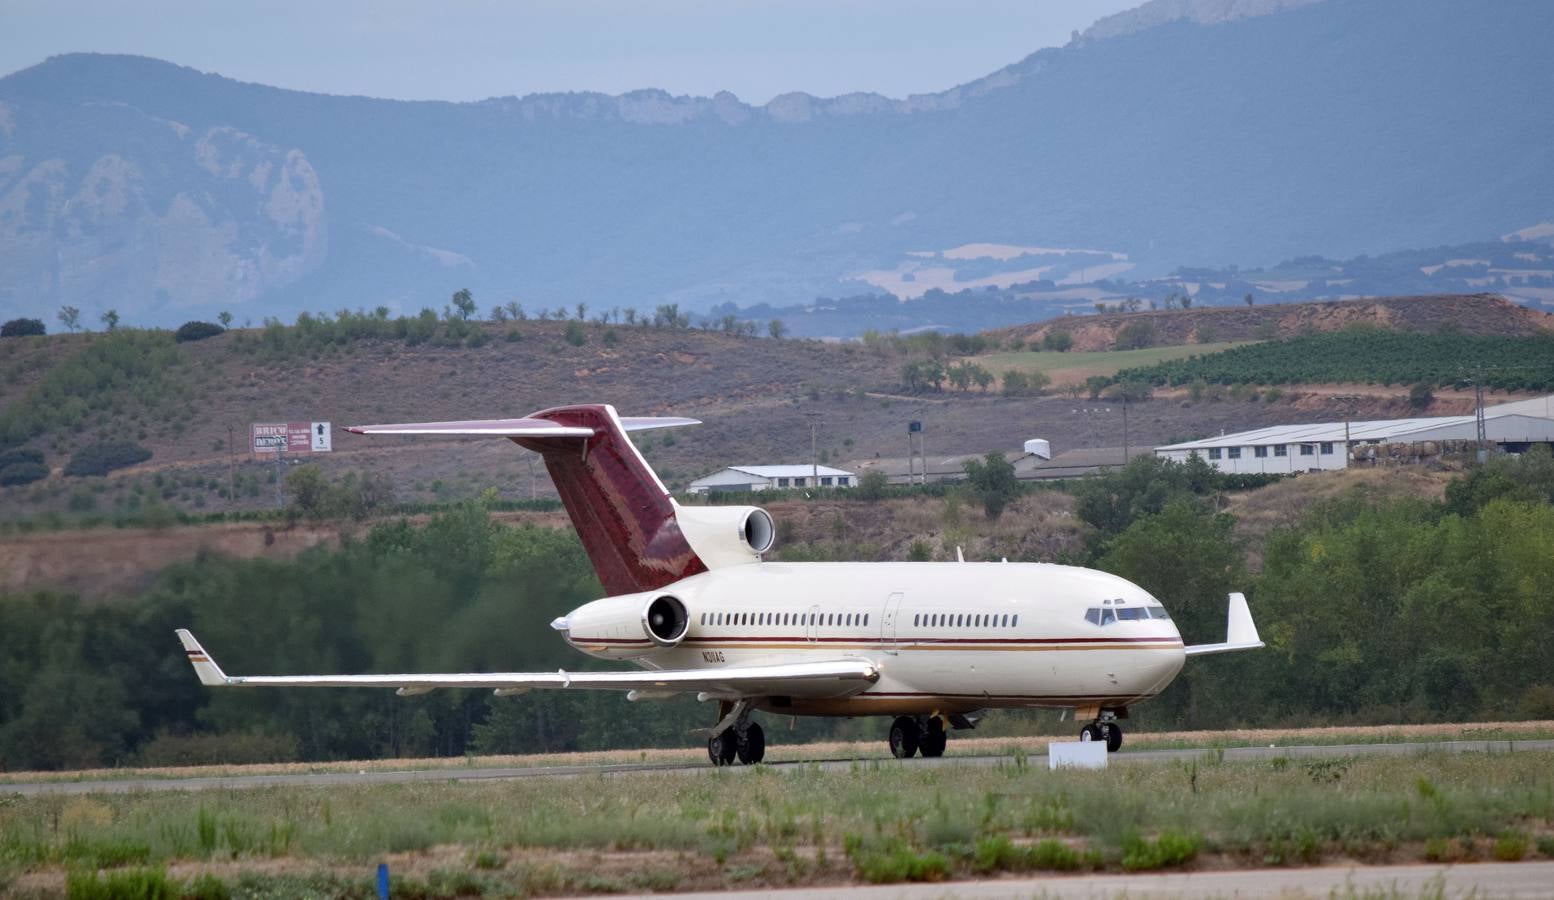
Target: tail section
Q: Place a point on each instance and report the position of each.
(622, 512)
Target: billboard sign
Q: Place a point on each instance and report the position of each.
(290, 437)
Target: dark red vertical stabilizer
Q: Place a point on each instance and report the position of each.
(621, 510)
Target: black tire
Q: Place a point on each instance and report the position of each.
(1091, 732)
(751, 746)
(933, 740)
(721, 749)
(1113, 733)
(903, 738)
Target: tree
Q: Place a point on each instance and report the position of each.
(515, 311)
(225, 318)
(110, 319)
(1135, 335)
(1247, 299)
(629, 315)
(982, 377)
(70, 317)
(464, 302)
(777, 328)
(198, 331)
(1420, 396)
(22, 328)
(1058, 341)
(1187, 301)
(872, 485)
(499, 314)
(993, 478)
(582, 311)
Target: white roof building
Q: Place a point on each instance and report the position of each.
(763, 478)
(1304, 448)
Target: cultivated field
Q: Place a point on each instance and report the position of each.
(1074, 367)
(878, 821)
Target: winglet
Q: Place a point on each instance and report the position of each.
(1240, 631)
(205, 667)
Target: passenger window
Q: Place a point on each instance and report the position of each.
(866, 620)
(1006, 621)
(1014, 620)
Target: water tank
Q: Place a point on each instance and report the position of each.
(1039, 448)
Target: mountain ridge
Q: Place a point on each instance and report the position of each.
(1326, 128)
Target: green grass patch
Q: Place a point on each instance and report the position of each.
(1100, 362)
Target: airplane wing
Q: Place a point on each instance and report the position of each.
(834, 678)
(1240, 631)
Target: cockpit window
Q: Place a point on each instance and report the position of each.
(1158, 612)
(1132, 613)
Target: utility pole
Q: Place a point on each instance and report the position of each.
(1349, 401)
(231, 466)
(280, 499)
(814, 452)
(1126, 456)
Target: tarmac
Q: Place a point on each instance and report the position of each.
(1037, 765)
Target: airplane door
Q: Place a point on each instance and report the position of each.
(811, 623)
(888, 621)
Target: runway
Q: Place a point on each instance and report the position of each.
(1527, 879)
(1037, 764)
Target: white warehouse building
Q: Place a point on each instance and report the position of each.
(766, 478)
(1283, 449)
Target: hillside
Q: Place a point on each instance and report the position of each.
(1485, 314)
(1180, 135)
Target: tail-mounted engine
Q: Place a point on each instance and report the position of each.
(727, 535)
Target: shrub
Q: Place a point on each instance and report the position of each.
(20, 455)
(22, 328)
(22, 473)
(575, 335)
(196, 331)
(1059, 341)
(105, 456)
(142, 884)
(1168, 850)
(513, 336)
(1135, 335)
(1420, 395)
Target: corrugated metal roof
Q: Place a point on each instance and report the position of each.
(1370, 430)
(794, 471)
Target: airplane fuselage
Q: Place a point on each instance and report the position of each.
(946, 637)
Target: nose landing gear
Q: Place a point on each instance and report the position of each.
(1105, 729)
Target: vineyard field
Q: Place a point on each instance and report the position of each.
(1370, 356)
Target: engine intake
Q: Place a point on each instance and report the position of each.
(727, 535)
(665, 620)
(758, 530)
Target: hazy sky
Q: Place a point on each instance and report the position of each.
(471, 49)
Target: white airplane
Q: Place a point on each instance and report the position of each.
(692, 603)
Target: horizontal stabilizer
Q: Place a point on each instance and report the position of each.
(480, 427)
(536, 428)
(822, 678)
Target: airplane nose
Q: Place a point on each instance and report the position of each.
(561, 623)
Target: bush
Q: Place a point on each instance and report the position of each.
(196, 331)
(20, 455)
(22, 473)
(22, 328)
(1168, 850)
(575, 334)
(1420, 395)
(1059, 341)
(1135, 335)
(105, 456)
(872, 485)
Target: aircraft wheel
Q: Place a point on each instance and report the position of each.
(933, 741)
(1091, 732)
(721, 749)
(1113, 733)
(903, 737)
(751, 746)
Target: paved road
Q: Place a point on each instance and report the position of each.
(1038, 763)
(1531, 879)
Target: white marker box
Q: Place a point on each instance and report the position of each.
(1076, 755)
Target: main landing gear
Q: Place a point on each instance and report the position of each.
(910, 735)
(744, 740)
(1105, 729)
